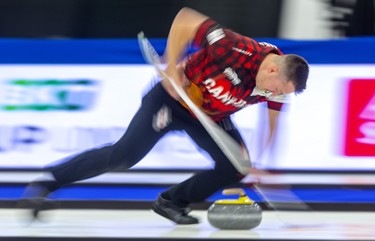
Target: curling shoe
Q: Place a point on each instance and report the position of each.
(35, 200)
(171, 211)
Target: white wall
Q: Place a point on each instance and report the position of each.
(306, 20)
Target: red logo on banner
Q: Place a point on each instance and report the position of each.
(360, 120)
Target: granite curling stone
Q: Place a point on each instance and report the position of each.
(241, 213)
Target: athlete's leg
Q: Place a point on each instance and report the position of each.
(142, 134)
(204, 184)
(139, 138)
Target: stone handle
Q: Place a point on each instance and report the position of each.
(232, 191)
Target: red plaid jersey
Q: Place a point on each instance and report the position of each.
(222, 72)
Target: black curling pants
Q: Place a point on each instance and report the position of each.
(159, 113)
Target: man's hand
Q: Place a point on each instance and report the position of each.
(257, 174)
(177, 74)
(263, 177)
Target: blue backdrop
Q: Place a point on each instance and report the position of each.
(19, 51)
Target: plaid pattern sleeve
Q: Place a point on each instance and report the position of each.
(206, 27)
(275, 105)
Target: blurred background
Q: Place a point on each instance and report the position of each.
(314, 19)
(72, 76)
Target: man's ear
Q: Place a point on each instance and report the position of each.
(273, 69)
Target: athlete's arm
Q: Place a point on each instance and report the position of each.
(182, 32)
(273, 116)
(266, 138)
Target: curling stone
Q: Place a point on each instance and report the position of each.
(241, 213)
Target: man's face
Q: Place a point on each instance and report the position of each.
(275, 83)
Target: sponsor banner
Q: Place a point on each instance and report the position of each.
(360, 119)
(48, 94)
(50, 111)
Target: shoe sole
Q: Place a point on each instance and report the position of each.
(37, 206)
(159, 211)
